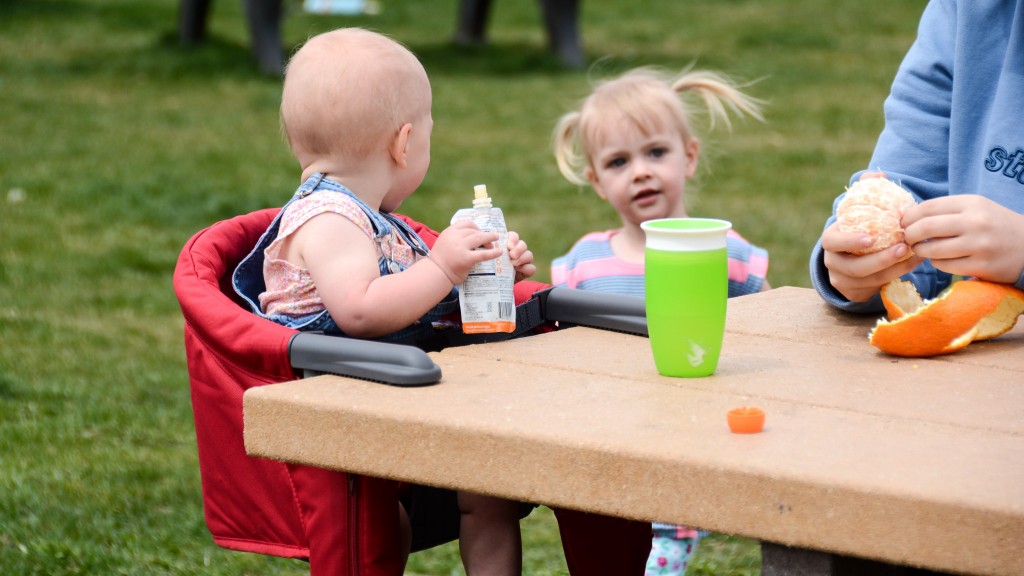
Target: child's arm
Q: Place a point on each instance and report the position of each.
(521, 256)
(968, 235)
(342, 262)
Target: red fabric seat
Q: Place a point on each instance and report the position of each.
(341, 523)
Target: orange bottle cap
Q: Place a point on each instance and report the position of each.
(745, 420)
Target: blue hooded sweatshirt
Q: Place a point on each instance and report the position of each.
(954, 122)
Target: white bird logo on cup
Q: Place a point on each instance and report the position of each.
(696, 355)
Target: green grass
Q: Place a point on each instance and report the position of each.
(116, 144)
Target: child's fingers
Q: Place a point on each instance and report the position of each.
(463, 224)
(867, 265)
(472, 237)
(860, 277)
(928, 230)
(949, 206)
(525, 271)
(485, 241)
(513, 238)
(517, 251)
(523, 261)
(484, 254)
(835, 240)
(523, 257)
(516, 247)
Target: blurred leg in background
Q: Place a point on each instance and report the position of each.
(263, 18)
(561, 21)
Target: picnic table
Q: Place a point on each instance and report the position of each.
(913, 462)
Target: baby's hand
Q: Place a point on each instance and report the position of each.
(460, 246)
(521, 256)
(969, 235)
(858, 278)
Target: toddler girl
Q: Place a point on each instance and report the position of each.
(631, 140)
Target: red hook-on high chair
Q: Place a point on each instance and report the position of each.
(341, 523)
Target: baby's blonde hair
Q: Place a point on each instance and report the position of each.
(348, 91)
(648, 98)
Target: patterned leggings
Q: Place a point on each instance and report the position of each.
(671, 548)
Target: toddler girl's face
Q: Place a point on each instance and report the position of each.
(643, 176)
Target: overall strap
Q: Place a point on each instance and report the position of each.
(408, 234)
(382, 222)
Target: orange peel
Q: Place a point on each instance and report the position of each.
(745, 420)
(967, 311)
(874, 206)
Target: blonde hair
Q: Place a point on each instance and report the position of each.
(348, 92)
(648, 98)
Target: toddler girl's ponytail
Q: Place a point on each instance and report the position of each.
(648, 98)
(720, 94)
(569, 154)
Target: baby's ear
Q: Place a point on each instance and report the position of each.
(400, 145)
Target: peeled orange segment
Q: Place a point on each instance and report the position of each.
(969, 310)
(874, 206)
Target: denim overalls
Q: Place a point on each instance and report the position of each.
(248, 276)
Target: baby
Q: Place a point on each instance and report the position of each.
(356, 109)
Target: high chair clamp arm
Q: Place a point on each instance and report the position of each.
(395, 364)
(404, 365)
(593, 309)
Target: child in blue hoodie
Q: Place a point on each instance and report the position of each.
(954, 138)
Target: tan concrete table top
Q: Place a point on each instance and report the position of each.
(908, 461)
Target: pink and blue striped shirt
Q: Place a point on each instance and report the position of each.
(591, 265)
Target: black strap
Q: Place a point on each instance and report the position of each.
(529, 316)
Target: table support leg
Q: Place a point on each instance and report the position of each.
(779, 560)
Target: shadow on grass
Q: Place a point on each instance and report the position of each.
(19, 8)
(165, 58)
(6, 387)
(521, 60)
(446, 57)
(219, 58)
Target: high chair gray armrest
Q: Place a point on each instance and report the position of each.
(594, 309)
(403, 365)
(394, 364)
